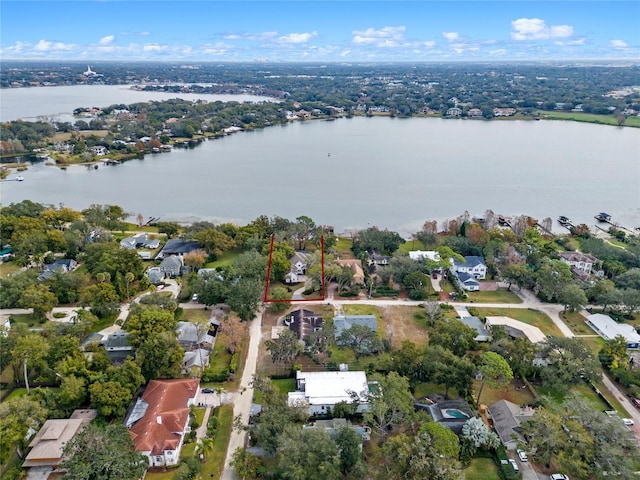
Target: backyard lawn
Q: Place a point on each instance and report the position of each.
(532, 317)
(495, 296)
(481, 469)
(8, 268)
(284, 385)
(521, 396)
(577, 323)
(424, 389)
(225, 260)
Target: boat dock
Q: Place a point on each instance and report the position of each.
(603, 217)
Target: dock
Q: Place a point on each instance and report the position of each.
(603, 217)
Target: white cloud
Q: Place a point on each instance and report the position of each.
(345, 53)
(297, 37)
(428, 44)
(577, 41)
(619, 44)
(451, 36)
(382, 37)
(498, 52)
(48, 46)
(107, 40)
(536, 29)
(154, 47)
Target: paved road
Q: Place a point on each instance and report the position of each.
(242, 403)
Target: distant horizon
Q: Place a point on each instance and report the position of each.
(365, 31)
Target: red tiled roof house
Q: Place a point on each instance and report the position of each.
(160, 419)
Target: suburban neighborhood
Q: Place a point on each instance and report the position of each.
(279, 349)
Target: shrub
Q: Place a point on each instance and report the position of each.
(233, 364)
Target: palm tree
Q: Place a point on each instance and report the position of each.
(204, 448)
(129, 277)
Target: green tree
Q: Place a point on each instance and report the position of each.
(245, 297)
(101, 298)
(569, 361)
(391, 404)
(90, 454)
(205, 447)
(110, 398)
(361, 339)
(168, 228)
(160, 356)
(245, 463)
(613, 354)
(72, 393)
(280, 294)
(28, 358)
(495, 371)
(40, 299)
(285, 348)
(143, 321)
(352, 461)
(17, 416)
(551, 278)
(453, 335)
(572, 297)
(214, 241)
(308, 454)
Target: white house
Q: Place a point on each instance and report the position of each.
(321, 391)
(467, 282)
(609, 329)
(472, 265)
(579, 261)
(422, 254)
(160, 419)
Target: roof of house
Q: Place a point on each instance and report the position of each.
(117, 339)
(47, 445)
(467, 279)
(188, 333)
(329, 388)
(197, 358)
(164, 420)
(345, 322)
(155, 275)
(355, 265)
(609, 328)
(453, 414)
(507, 417)
(421, 254)
(470, 261)
(173, 261)
(577, 257)
(177, 246)
(516, 328)
(476, 324)
(304, 322)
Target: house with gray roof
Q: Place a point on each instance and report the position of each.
(155, 276)
(475, 323)
(472, 265)
(172, 266)
(345, 322)
(190, 338)
(303, 322)
(198, 358)
(62, 265)
(452, 414)
(118, 347)
(466, 281)
(177, 246)
(506, 418)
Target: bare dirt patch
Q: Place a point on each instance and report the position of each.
(400, 325)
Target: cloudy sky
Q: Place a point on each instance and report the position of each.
(299, 30)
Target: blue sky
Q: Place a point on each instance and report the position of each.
(323, 31)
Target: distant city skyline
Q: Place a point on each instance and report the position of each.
(321, 31)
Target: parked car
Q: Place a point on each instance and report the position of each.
(628, 422)
(558, 476)
(514, 465)
(522, 455)
(194, 298)
(208, 390)
(636, 402)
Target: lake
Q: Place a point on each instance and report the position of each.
(58, 103)
(359, 172)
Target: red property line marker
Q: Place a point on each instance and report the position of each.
(265, 298)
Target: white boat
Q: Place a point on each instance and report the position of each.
(19, 178)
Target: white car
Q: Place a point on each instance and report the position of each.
(628, 422)
(522, 455)
(514, 465)
(558, 476)
(194, 298)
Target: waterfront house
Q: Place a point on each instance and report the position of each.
(356, 267)
(177, 246)
(582, 262)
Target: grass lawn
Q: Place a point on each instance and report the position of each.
(225, 260)
(104, 323)
(622, 412)
(215, 462)
(361, 310)
(490, 396)
(481, 469)
(8, 268)
(532, 317)
(285, 385)
(200, 415)
(496, 296)
(577, 323)
(343, 247)
(587, 117)
(424, 389)
(28, 319)
(194, 315)
(594, 343)
(18, 392)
